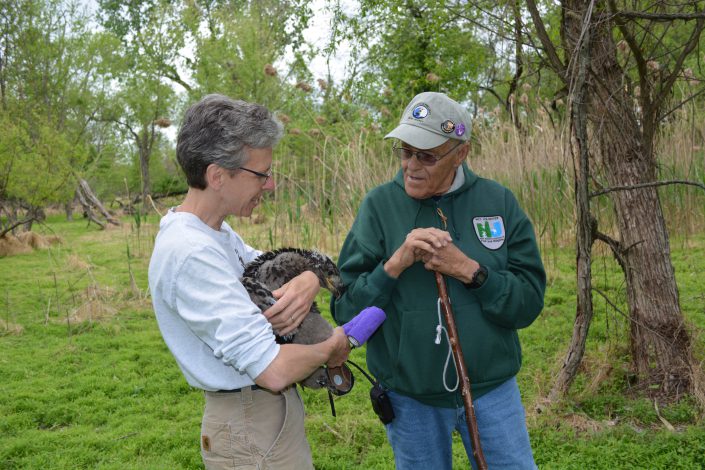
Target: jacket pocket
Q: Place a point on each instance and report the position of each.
(491, 352)
(420, 362)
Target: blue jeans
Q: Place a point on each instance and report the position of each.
(421, 435)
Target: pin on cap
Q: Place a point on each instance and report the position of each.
(430, 120)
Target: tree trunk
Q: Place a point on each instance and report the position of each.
(144, 168)
(68, 207)
(584, 231)
(89, 200)
(660, 346)
(145, 143)
(512, 98)
(33, 213)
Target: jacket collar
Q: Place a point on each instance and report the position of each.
(470, 179)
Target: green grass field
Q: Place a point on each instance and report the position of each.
(86, 381)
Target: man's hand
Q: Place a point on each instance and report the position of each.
(450, 261)
(419, 242)
(294, 300)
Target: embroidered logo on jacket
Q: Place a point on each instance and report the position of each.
(490, 231)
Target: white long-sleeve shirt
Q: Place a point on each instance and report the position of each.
(219, 338)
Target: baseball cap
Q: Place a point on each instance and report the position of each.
(430, 120)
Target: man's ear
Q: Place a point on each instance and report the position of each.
(214, 176)
(463, 153)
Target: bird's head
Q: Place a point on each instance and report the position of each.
(327, 273)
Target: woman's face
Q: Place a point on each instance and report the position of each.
(243, 189)
(422, 181)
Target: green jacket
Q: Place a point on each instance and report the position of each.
(488, 225)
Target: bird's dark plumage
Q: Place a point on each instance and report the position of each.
(271, 270)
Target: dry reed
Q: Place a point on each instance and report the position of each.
(322, 180)
(25, 242)
(33, 239)
(11, 245)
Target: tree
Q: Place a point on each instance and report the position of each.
(623, 98)
(240, 49)
(145, 67)
(139, 109)
(47, 79)
(479, 51)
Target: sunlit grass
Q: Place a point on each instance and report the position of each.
(107, 394)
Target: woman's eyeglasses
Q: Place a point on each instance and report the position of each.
(266, 176)
(425, 158)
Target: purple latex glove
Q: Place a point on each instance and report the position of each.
(361, 327)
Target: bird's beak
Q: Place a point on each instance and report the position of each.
(335, 286)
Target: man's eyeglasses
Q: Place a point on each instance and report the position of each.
(425, 158)
(266, 176)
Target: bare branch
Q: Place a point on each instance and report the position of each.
(122, 124)
(16, 224)
(553, 58)
(518, 44)
(646, 185)
(629, 318)
(614, 245)
(681, 104)
(479, 24)
(494, 93)
(634, 48)
(665, 17)
(612, 304)
(172, 74)
(692, 42)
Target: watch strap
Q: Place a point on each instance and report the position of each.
(478, 278)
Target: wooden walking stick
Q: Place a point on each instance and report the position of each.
(462, 372)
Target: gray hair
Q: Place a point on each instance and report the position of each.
(217, 129)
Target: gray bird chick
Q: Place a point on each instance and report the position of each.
(271, 270)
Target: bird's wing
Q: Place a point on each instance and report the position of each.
(262, 297)
(259, 294)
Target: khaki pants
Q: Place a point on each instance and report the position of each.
(254, 429)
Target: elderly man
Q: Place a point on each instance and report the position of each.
(253, 417)
(437, 215)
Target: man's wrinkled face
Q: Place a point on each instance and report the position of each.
(422, 180)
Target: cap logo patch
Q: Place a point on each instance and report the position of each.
(447, 126)
(490, 231)
(460, 129)
(420, 111)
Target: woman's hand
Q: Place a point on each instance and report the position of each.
(340, 348)
(294, 300)
(418, 242)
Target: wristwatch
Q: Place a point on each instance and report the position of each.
(478, 278)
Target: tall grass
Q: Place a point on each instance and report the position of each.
(322, 177)
(681, 152)
(321, 180)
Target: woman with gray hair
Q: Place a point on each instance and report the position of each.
(223, 345)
